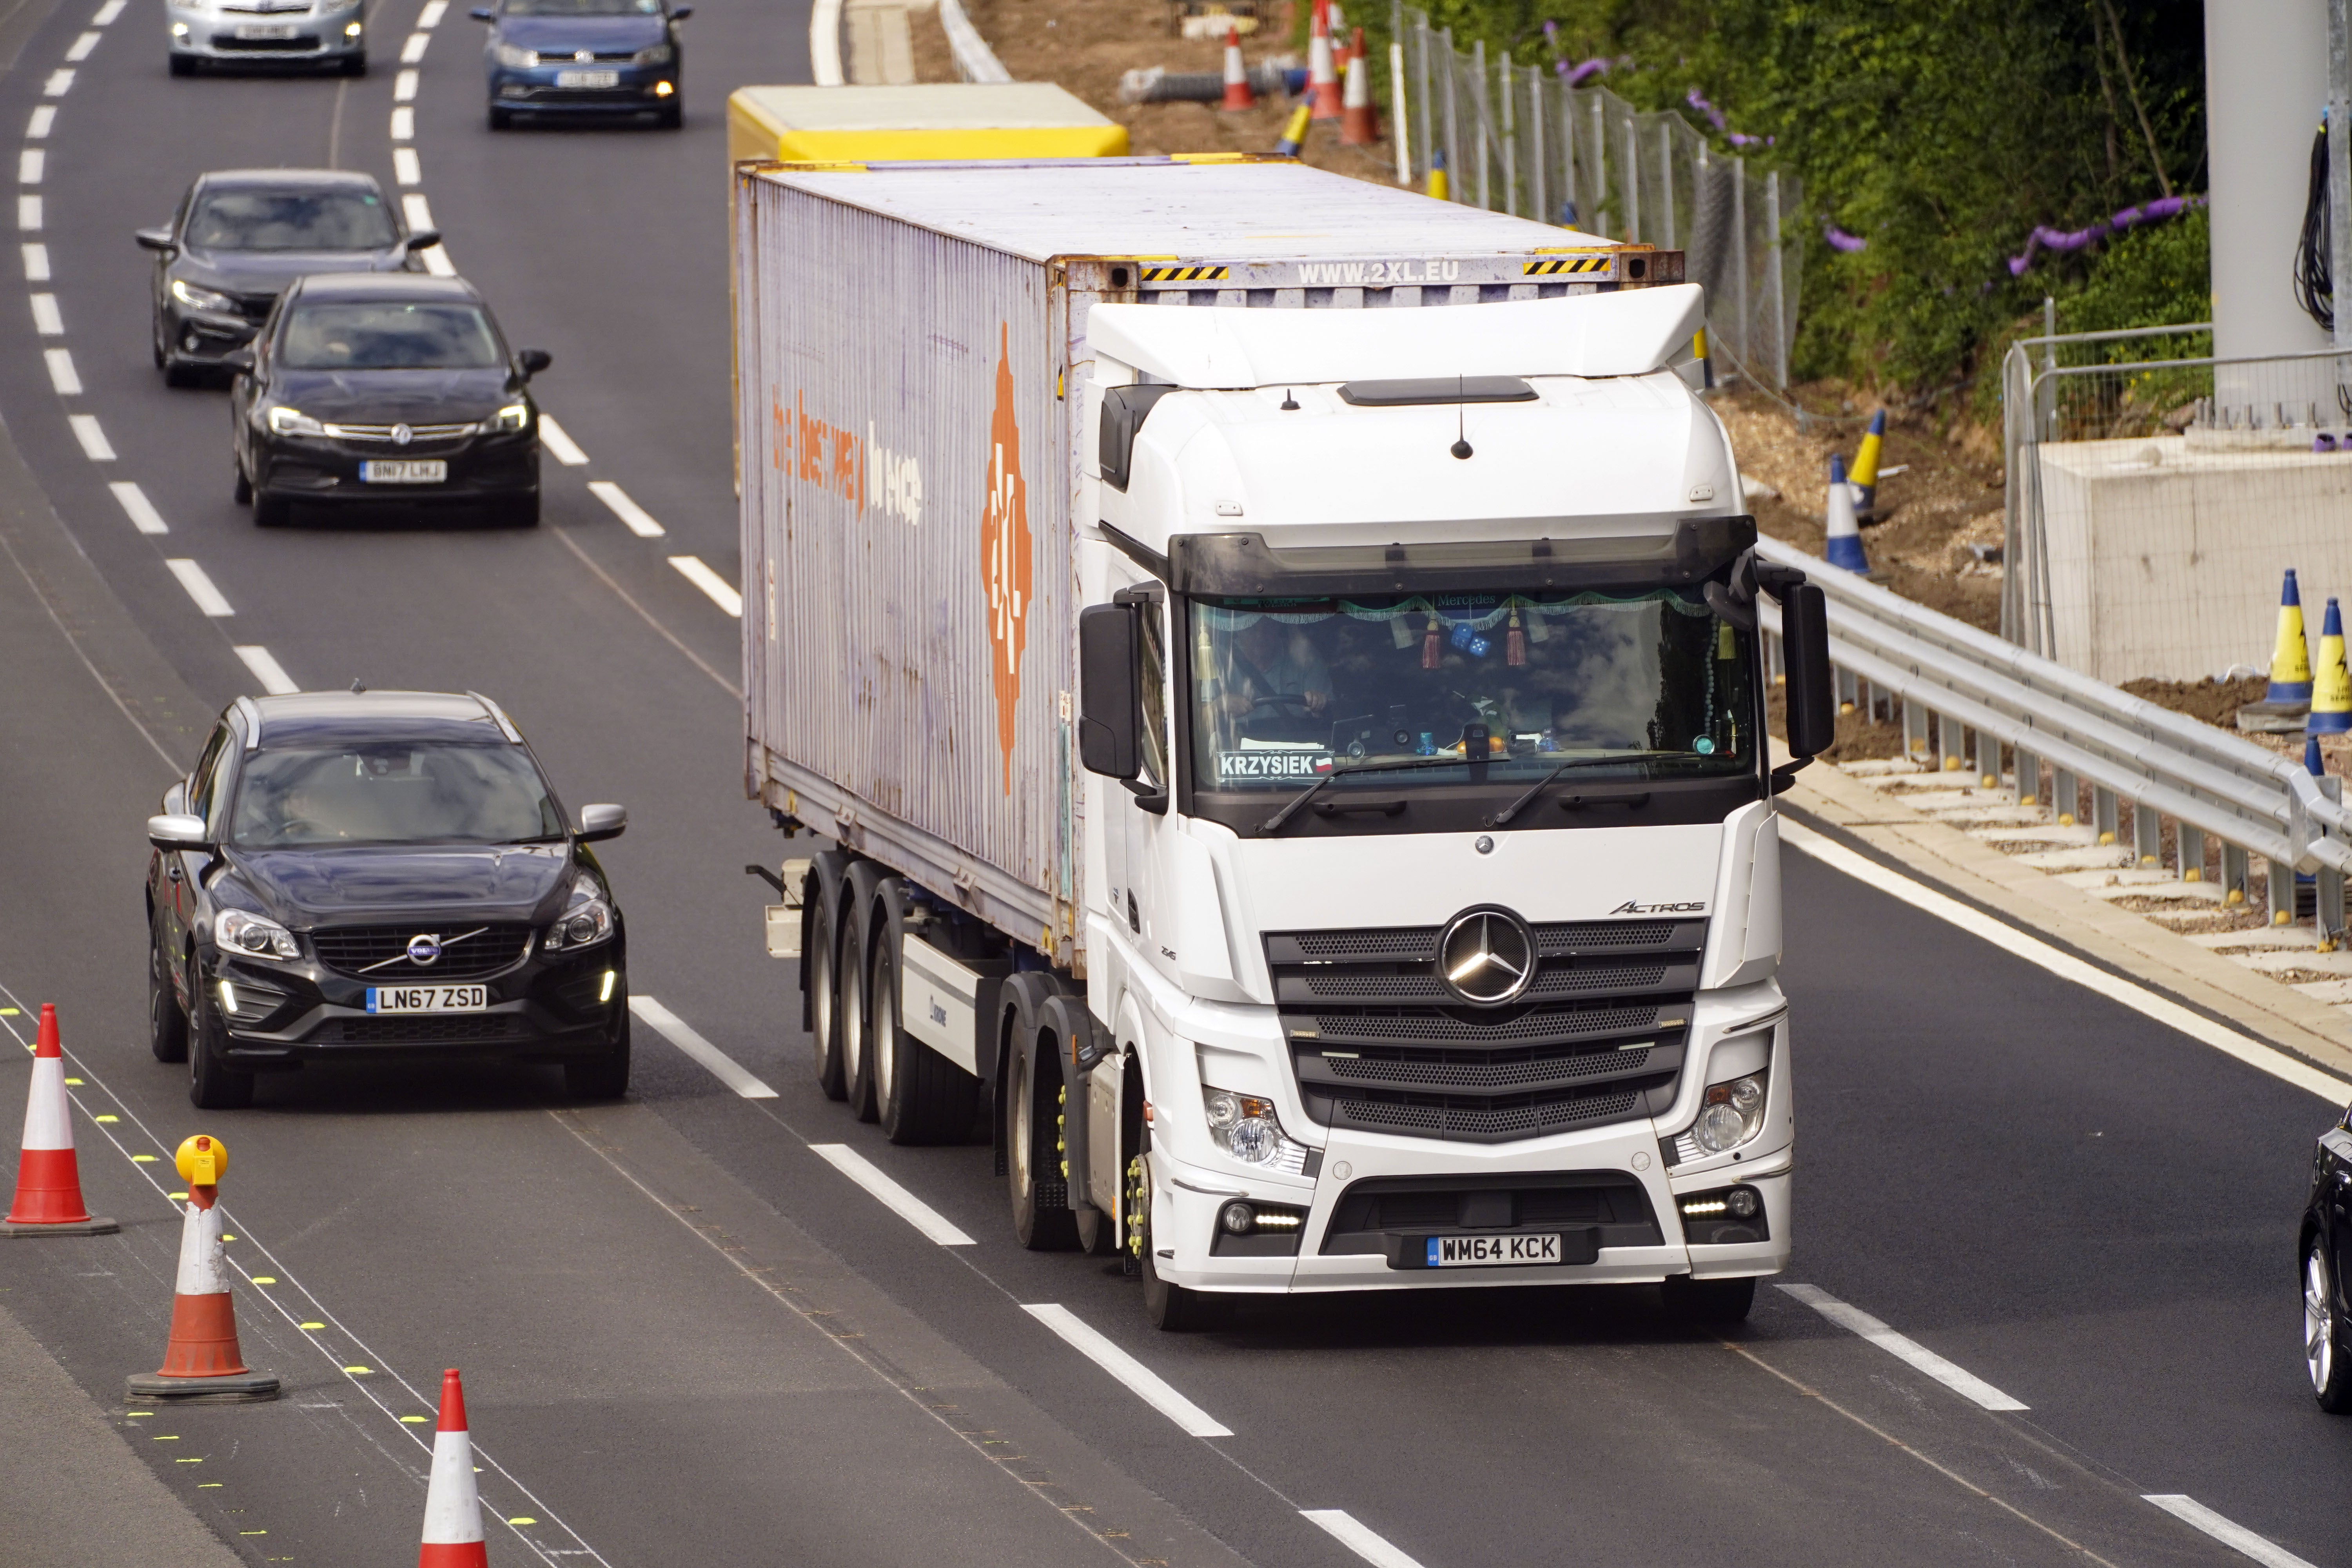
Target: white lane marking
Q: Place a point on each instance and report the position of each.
(28, 214)
(404, 88)
(1360, 1538)
(79, 49)
(267, 671)
(2189, 1511)
(47, 319)
(37, 263)
(2066, 966)
(405, 168)
(558, 441)
(107, 13)
(43, 117)
(1903, 1348)
(641, 522)
(1141, 1381)
(437, 262)
(62, 375)
(722, 592)
(674, 1028)
(94, 444)
(412, 48)
(32, 163)
(403, 124)
(417, 210)
(430, 17)
(199, 586)
(934, 1224)
(61, 82)
(142, 513)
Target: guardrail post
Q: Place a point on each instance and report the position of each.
(1985, 752)
(1915, 729)
(2148, 833)
(2028, 776)
(2189, 852)
(1849, 690)
(2065, 795)
(2105, 819)
(2281, 875)
(2328, 906)
(2236, 873)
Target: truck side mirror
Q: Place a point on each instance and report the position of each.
(1110, 695)
(1812, 689)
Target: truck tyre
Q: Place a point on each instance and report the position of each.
(1172, 1308)
(851, 995)
(920, 1096)
(1041, 1206)
(1708, 1301)
(821, 961)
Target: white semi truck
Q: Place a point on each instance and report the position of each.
(1275, 661)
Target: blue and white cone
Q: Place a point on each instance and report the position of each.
(1844, 547)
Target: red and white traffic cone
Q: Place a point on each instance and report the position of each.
(48, 1181)
(202, 1361)
(453, 1507)
(1238, 95)
(1322, 83)
(1358, 127)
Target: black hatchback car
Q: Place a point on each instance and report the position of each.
(373, 875)
(240, 235)
(386, 387)
(2325, 1254)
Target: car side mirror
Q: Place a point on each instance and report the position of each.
(175, 799)
(423, 239)
(1110, 698)
(156, 239)
(174, 830)
(239, 359)
(1811, 687)
(681, 13)
(598, 823)
(483, 14)
(533, 360)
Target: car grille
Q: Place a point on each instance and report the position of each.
(301, 46)
(418, 435)
(465, 1029)
(356, 950)
(1378, 1043)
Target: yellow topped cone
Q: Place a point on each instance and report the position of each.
(2290, 659)
(2331, 693)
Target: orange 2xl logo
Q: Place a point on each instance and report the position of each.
(1005, 551)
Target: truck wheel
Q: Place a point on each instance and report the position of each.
(825, 1016)
(1041, 1204)
(919, 1095)
(1172, 1308)
(1708, 1301)
(856, 1032)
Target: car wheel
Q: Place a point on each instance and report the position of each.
(355, 66)
(271, 512)
(501, 119)
(212, 1084)
(1039, 1227)
(167, 1023)
(825, 1015)
(163, 359)
(606, 1080)
(856, 1024)
(244, 491)
(1172, 1308)
(2322, 1333)
(181, 376)
(1708, 1301)
(671, 116)
(183, 65)
(524, 514)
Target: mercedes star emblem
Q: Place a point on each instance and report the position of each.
(1486, 957)
(423, 950)
(402, 434)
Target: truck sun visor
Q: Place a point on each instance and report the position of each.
(1124, 410)
(1436, 389)
(1244, 565)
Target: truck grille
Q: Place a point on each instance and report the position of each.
(1379, 1043)
(358, 951)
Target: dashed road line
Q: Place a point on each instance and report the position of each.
(403, 124)
(640, 521)
(107, 13)
(37, 262)
(2237, 1537)
(208, 598)
(723, 593)
(560, 444)
(62, 375)
(60, 83)
(79, 49)
(934, 1224)
(404, 88)
(412, 48)
(417, 210)
(48, 320)
(38, 126)
(1360, 1538)
(141, 511)
(1140, 1380)
(430, 17)
(94, 444)
(31, 164)
(28, 214)
(267, 671)
(405, 169)
(676, 1030)
(1903, 1348)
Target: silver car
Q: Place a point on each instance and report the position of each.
(330, 33)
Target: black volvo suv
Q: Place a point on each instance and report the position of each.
(371, 874)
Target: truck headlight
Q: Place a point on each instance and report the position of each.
(1246, 1128)
(1731, 1114)
(586, 920)
(254, 936)
(285, 421)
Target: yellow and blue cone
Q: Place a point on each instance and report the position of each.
(1865, 467)
(2331, 691)
(2291, 658)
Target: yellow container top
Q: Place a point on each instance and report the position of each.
(923, 122)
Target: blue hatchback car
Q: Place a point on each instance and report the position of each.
(584, 57)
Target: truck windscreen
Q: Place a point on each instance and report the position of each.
(1287, 691)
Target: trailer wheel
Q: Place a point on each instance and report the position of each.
(1041, 1204)
(824, 1011)
(919, 1095)
(857, 1021)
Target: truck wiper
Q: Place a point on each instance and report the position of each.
(1545, 782)
(1273, 823)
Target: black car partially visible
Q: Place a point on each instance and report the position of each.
(384, 388)
(2326, 1253)
(379, 875)
(240, 235)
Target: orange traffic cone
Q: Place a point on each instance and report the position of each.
(201, 1360)
(1322, 83)
(1238, 95)
(48, 1181)
(453, 1508)
(1358, 125)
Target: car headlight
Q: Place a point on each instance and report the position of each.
(654, 54)
(1732, 1113)
(1245, 1127)
(521, 58)
(585, 920)
(285, 421)
(514, 417)
(256, 936)
(197, 299)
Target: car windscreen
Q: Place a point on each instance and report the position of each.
(391, 793)
(1287, 691)
(582, 8)
(389, 335)
(290, 220)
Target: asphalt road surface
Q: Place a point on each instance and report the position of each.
(688, 1334)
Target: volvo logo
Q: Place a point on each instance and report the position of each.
(1486, 957)
(423, 950)
(402, 434)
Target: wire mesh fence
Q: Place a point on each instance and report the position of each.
(1512, 138)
